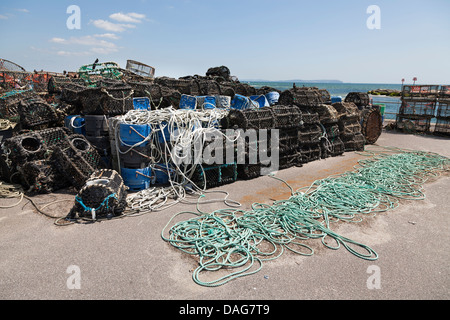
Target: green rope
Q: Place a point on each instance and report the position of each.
(243, 240)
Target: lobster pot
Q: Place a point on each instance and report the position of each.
(56, 84)
(103, 194)
(261, 118)
(77, 161)
(289, 159)
(411, 107)
(412, 124)
(10, 101)
(37, 114)
(211, 176)
(357, 143)
(111, 101)
(35, 145)
(443, 109)
(248, 171)
(371, 125)
(309, 153)
(310, 134)
(347, 110)
(348, 128)
(360, 99)
(288, 140)
(308, 116)
(331, 147)
(209, 88)
(181, 85)
(286, 116)
(442, 127)
(72, 92)
(327, 113)
(325, 96)
(299, 97)
(41, 176)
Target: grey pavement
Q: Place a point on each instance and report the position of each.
(127, 259)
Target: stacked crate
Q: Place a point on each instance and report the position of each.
(418, 108)
(442, 126)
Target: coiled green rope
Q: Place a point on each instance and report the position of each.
(242, 240)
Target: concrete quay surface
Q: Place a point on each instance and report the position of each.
(127, 259)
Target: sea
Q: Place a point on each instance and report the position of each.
(342, 89)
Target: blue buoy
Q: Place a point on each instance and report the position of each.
(137, 179)
(134, 134)
(188, 102)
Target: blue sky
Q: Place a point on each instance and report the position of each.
(256, 39)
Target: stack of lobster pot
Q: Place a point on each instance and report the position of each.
(330, 143)
(97, 133)
(288, 121)
(349, 126)
(309, 136)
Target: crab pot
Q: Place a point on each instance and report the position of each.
(103, 194)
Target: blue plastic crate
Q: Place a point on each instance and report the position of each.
(137, 179)
(272, 97)
(206, 102)
(261, 100)
(336, 99)
(134, 134)
(141, 103)
(161, 172)
(76, 124)
(188, 102)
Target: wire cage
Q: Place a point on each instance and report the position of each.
(287, 116)
(140, 69)
(420, 91)
(360, 99)
(413, 124)
(443, 108)
(419, 108)
(442, 127)
(41, 176)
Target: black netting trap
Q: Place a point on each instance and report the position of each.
(308, 115)
(347, 110)
(10, 101)
(36, 145)
(211, 176)
(300, 97)
(288, 140)
(37, 114)
(309, 153)
(248, 171)
(41, 176)
(103, 195)
(287, 116)
(356, 143)
(360, 99)
(107, 99)
(310, 134)
(77, 161)
(262, 118)
(327, 113)
(348, 128)
(56, 84)
(371, 125)
(331, 147)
